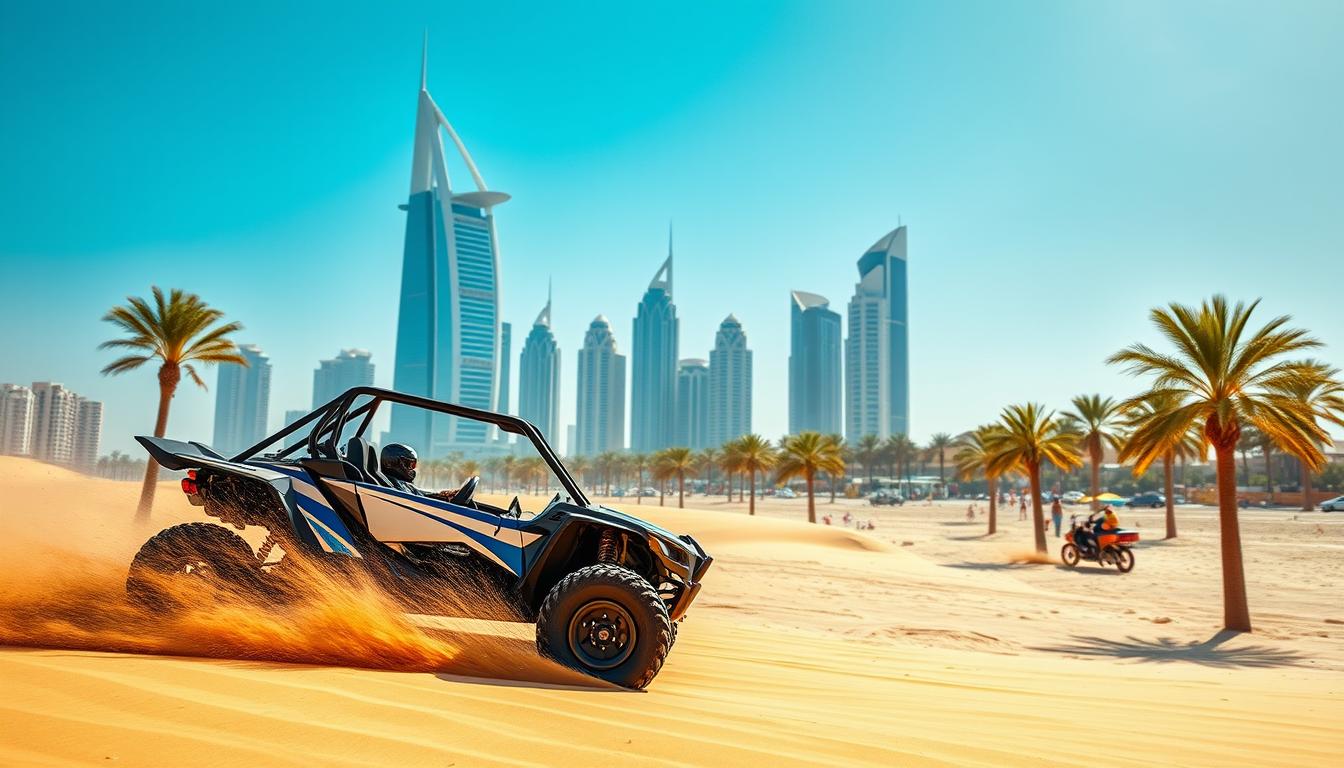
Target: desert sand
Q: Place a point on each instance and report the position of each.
(922, 642)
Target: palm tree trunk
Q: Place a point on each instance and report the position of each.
(751, 506)
(1170, 486)
(1037, 515)
(681, 490)
(993, 505)
(942, 482)
(1236, 611)
(742, 485)
(811, 501)
(832, 479)
(169, 375)
(1307, 506)
(1094, 455)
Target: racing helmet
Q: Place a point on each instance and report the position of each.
(398, 462)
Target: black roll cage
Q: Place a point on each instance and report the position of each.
(332, 418)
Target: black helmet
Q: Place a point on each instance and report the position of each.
(398, 462)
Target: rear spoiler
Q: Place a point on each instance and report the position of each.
(175, 454)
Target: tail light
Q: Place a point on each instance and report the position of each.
(189, 486)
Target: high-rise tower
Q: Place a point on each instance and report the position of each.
(693, 404)
(877, 351)
(448, 329)
(349, 368)
(814, 365)
(653, 383)
(601, 412)
(242, 401)
(729, 384)
(539, 378)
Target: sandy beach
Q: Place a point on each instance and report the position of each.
(921, 642)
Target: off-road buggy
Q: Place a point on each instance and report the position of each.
(604, 589)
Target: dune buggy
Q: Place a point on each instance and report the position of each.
(604, 589)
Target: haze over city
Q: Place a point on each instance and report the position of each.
(1061, 172)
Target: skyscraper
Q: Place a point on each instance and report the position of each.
(877, 351)
(55, 409)
(16, 420)
(601, 403)
(448, 330)
(88, 434)
(729, 384)
(653, 384)
(693, 404)
(242, 401)
(814, 365)
(539, 378)
(349, 368)
(505, 351)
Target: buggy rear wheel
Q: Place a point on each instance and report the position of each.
(190, 564)
(608, 622)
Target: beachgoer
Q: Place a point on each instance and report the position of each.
(1022, 506)
(1056, 515)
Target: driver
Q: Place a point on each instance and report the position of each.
(398, 463)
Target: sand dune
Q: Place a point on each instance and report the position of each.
(809, 645)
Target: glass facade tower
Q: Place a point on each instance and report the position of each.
(693, 404)
(729, 384)
(877, 351)
(814, 365)
(600, 419)
(448, 328)
(539, 378)
(242, 401)
(653, 382)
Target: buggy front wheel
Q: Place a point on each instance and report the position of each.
(608, 622)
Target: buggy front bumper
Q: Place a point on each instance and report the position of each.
(679, 605)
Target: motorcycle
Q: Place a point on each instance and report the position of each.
(1103, 548)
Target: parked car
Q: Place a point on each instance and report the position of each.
(785, 493)
(884, 499)
(1153, 500)
(1333, 505)
(1071, 497)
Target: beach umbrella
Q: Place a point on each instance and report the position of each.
(1106, 497)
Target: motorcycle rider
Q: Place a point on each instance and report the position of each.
(1089, 533)
(398, 463)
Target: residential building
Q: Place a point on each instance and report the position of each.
(653, 381)
(16, 420)
(877, 351)
(693, 404)
(88, 434)
(539, 377)
(729, 384)
(242, 401)
(55, 411)
(448, 329)
(601, 393)
(814, 365)
(349, 368)
(293, 416)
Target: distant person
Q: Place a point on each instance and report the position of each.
(847, 518)
(826, 519)
(1056, 515)
(970, 513)
(1022, 506)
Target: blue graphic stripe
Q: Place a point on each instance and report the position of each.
(328, 518)
(510, 554)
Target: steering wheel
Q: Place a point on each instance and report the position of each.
(463, 496)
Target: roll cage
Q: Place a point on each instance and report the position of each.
(329, 422)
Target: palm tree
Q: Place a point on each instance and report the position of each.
(676, 462)
(639, 462)
(1191, 444)
(938, 445)
(1226, 378)
(1324, 395)
(1096, 419)
(845, 456)
(1028, 438)
(178, 330)
(604, 464)
(507, 464)
(753, 454)
(904, 450)
(867, 451)
(706, 459)
(730, 462)
(972, 458)
(804, 455)
(469, 469)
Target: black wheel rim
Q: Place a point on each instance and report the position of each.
(602, 634)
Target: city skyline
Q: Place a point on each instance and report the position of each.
(991, 183)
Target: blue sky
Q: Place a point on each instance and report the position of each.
(1062, 168)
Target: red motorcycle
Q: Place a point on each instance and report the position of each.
(1103, 547)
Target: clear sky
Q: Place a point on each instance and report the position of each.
(1062, 167)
